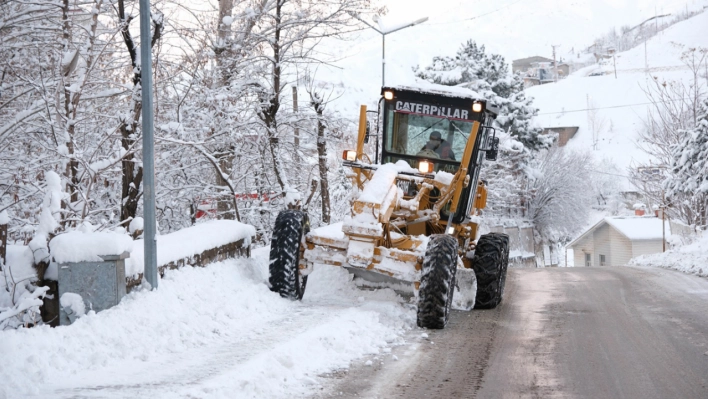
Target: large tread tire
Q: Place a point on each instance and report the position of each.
(490, 262)
(286, 247)
(437, 282)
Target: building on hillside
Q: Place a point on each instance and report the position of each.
(524, 64)
(613, 241)
(540, 70)
(564, 134)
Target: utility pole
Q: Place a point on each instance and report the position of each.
(663, 220)
(150, 231)
(555, 63)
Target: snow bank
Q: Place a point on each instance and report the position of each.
(214, 332)
(691, 259)
(77, 246)
(189, 242)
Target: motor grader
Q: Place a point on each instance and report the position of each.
(416, 208)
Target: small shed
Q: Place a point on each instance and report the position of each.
(613, 241)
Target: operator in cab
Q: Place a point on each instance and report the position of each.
(437, 147)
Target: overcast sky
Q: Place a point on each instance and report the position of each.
(512, 28)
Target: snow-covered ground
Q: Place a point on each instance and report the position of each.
(621, 104)
(691, 258)
(214, 332)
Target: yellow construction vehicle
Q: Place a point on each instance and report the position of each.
(415, 216)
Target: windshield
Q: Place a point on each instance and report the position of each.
(422, 135)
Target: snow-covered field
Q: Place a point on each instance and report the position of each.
(214, 332)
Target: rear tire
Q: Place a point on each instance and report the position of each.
(285, 250)
(437, 282)
(490, 262)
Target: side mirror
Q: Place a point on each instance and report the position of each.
(493, 151)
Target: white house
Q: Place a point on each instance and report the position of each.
(613, 241)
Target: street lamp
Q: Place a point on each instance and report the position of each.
(383, 33)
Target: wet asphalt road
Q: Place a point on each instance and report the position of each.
(610, 332)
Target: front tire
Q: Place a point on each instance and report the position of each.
(437, 282)
(286, 247)
(490, 262)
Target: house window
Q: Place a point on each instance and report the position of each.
(588, 260)
(602, 260)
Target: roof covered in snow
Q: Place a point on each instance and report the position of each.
(638, 228)
(635, 228)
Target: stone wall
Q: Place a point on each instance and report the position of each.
(228, 251)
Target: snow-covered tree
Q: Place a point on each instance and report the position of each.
(559, 201)
(687, 184)
(665, 129)
(488, 74)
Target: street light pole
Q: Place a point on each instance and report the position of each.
(149, 232)
(383, 40)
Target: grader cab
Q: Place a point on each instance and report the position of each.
(415, 214)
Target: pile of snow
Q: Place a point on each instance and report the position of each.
(691, 259)
(215, 332)
(78, 246)
(188, 242)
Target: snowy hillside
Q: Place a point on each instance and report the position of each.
(214, 332)
(621, 103)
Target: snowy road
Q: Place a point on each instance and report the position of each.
(561, 333)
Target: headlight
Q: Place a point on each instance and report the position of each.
(425, 166)
(477, 107)
(388, 95)
(349, 155)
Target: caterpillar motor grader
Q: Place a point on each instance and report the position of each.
(415, 215)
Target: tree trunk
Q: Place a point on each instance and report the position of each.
(269, 113)
(132, 174)
(225, 206)
(322, 160)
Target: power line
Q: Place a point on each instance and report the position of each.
(478, 16)
(610, 107)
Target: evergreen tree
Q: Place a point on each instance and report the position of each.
(488, 74)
